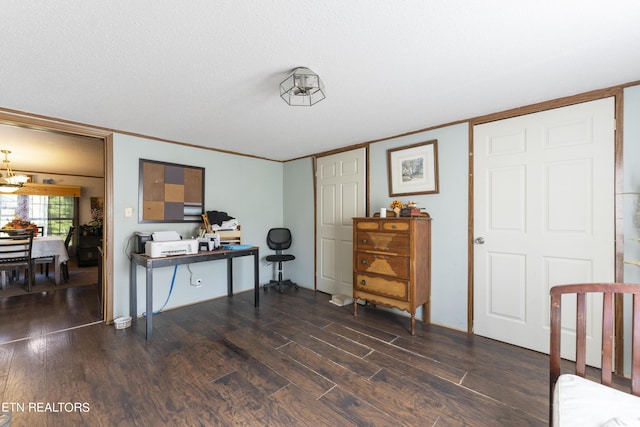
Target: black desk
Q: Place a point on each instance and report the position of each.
(151, 263)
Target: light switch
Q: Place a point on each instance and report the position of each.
(128, 212)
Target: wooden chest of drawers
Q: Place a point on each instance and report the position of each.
(392, 263)
(87, 250)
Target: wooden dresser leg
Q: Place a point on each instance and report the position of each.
(413, 324)
(355, 308)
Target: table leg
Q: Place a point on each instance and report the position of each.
(149, 302)
(133, 292)
(256, 280)
(3, 281)
(229, 277)
(57, 273)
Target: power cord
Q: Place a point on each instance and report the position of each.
(195, 285)
(173, 281)
(127, 252)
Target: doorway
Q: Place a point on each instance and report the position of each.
(54, 152)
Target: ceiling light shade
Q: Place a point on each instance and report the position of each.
(302, 87)
(9, 182)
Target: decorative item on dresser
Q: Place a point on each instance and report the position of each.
(392, 263)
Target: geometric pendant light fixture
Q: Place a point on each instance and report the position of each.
(302, 87)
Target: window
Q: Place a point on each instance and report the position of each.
(55, 214)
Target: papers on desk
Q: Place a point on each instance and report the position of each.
(229, 225)
(237, 247)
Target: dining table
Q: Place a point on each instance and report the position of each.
(47, 247)
(51, 246)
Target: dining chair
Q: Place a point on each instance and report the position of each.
(44, 262)
(579, 398)
(67, 242)
(15, 255)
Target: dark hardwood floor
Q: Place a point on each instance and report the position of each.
(296, 361)
(78, 276)
(50, 307)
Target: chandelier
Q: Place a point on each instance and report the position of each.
(302, 88)
(10, 182)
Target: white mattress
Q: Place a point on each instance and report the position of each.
(583, 403)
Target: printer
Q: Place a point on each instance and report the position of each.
(169, 243)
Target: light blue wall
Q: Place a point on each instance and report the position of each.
(299, 217)
(449, 213)
(249, 189)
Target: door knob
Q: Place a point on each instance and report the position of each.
(479, 240)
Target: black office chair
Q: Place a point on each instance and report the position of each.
(279, 239)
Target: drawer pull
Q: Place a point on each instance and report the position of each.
(363, 282)
(364, 241)
(364, 261)
(394, 226)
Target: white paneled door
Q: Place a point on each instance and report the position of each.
(340, 196)
(543, 215)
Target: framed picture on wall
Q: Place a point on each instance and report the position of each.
(413, 169)
(169, 192)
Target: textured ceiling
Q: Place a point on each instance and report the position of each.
(206, 72)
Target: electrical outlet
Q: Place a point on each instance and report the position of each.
(198, 282)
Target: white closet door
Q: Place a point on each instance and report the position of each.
(544, 208)
(341, 195)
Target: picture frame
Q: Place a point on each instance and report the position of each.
(413, 169)
(170, 192)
